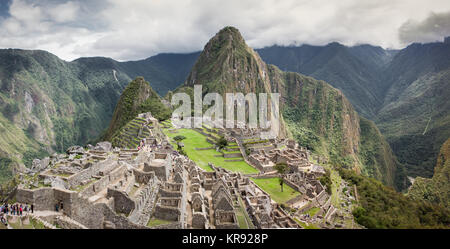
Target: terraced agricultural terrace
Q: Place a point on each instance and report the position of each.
(135, 131)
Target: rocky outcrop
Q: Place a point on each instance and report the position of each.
(75, 150)
(103, 146)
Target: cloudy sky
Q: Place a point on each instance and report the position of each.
(136, 29)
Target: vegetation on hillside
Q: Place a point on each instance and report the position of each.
(322, 120)
(436, 189)
(382, 207)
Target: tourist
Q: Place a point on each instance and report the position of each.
(32, 207)
(20, 210)
(56, 207)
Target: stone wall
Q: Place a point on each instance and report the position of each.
(143, 177)
(231, 155)
(167, 213)
(65, 197)
(104, 167)
(122, 202)
(46, 198)
(103, 182)
(118, 221)
(199, 220)
(144, 202)
(160, 171)
(88, 214)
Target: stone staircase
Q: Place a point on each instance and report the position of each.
(45, 223)
(70, 223)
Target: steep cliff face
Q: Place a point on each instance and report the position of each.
(435, 189)
(48, 104)
(317, 115)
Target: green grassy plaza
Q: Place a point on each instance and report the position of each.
(156, 222)
(202, 157)
(272, 187)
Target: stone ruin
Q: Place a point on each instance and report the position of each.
(105, 187)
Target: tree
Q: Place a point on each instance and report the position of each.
(281, 169)
(178, 139)
(222, 143)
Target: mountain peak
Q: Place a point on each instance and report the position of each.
(230, 31)
(227, 62)
(228, 37)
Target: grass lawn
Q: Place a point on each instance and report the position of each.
(241, 221)
(272, 187)
(312, 211)
(202, 157)
(302, 224)
(335, 183)
(156, 222)
(246, 219)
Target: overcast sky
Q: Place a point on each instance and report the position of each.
(137, 29)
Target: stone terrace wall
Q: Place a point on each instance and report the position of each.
(231, 155)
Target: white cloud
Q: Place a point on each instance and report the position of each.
(431, 29)
(136, 29)
(64, 12)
